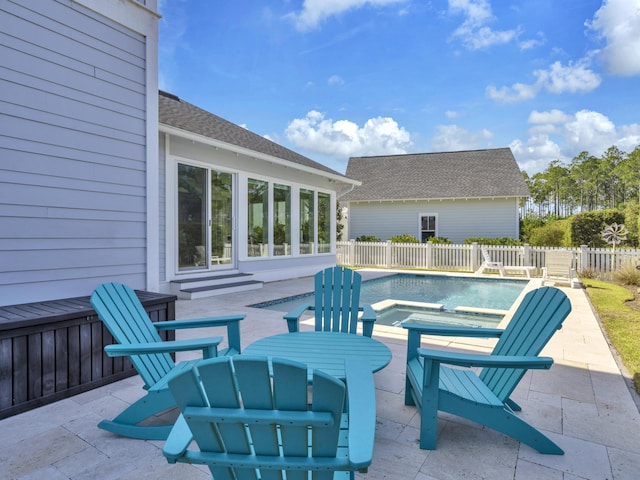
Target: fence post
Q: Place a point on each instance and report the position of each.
(526, 254)
(474, 257)
(352, 253)
(584, 259)
(387, 254)
(429, 255)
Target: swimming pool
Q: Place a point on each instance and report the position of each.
(397, 314)
(404, 294)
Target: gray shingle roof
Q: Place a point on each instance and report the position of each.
(185, 116)
(466, 174)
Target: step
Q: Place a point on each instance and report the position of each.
(201, 287)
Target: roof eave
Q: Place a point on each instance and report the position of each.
(440, 199)
(164, 128)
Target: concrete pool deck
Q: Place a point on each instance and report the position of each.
(583, 403)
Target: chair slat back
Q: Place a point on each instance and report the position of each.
(537, 318)
(558, 263)
(126, 319)
(234, 405)
(337, 299)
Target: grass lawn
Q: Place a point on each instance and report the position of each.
(619, 311)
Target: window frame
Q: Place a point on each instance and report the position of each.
(422, 230)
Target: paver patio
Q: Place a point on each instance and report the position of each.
(583, 403)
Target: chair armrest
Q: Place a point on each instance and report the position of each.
(368, 318)
(230, 321)
(452, 331)
(479, 360)
(198, 322)
(362, 412)
(293, 317)
(178, 440)
(209, 347)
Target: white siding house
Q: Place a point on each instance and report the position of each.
(94, 187)
(78, 149)
(456, 195)
(235, 203)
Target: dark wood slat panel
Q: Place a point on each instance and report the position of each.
(62, 359)
(52, 350)
(6, 383)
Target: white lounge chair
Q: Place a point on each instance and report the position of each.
(489, 264)
(558, 267)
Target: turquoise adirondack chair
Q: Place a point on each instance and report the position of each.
(484, 397)
(337, 303)
(124, 316)
(249, 425)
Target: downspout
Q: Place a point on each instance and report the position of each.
(342, 194)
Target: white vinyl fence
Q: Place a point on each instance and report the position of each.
(589, 262)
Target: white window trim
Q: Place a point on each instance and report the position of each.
(428, 214)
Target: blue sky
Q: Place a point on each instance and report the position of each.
(332, 79)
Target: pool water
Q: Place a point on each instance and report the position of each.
(447, 292)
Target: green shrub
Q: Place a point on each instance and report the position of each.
(527, 225)
(586, 228)
(404, 238)
(505, 241)
(631, 218)
(440, 240)
(550, 235)
(367, 238)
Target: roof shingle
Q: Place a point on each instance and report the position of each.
(177, 113)
(465, 174)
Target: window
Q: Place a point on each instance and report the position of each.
(271, 230)
(258, 218)
(205, 218)
(281, 220)
(192, 217)
(427, 227)
(324, 223)
(221, 218)
(307, 221)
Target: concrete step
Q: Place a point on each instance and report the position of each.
(210, 286)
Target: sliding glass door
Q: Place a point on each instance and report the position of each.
(205, 218)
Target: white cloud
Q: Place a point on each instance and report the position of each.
(452, 115)
(630, 137)
(335, 80)
(575, 77)
(451, 138)
(547, 123)
(532, 42)
(558, 78)
(536, 153)
(618, 23)
(552, 116)
(518, 92)
(477, 11)
(343, 138)
(474, 32)
(315, 12)
(556, 135)
(590, 131)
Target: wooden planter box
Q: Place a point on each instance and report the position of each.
(55, 349)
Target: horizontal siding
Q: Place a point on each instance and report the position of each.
(479, 218)
(457, 220)
(73, 149)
